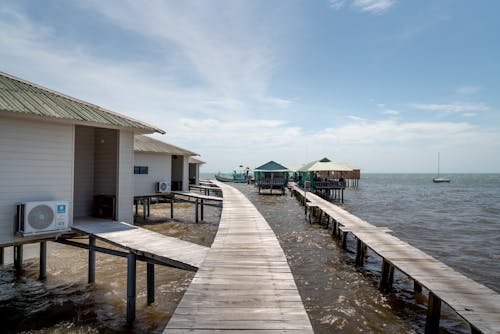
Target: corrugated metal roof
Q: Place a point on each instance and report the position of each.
(21, 96)
(325, 165)
(196, 161)
(148, 144)
(271, 166)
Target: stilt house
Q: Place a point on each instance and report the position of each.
(61, 158)
(271, 176)
(159, 166)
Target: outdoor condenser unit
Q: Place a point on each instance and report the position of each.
(42, 217)
(163, 187)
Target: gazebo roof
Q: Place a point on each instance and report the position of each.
(325, 164)
(271, 166)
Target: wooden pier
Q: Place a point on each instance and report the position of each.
(199, 200)
(244, 283)
(476, 304)
(137, 244)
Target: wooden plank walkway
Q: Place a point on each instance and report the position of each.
(171, 251)
(245, 283)
(475, 303)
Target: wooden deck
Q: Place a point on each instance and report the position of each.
(475, 303)
(245, 283)
(170, 251)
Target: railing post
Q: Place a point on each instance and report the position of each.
(196, 210)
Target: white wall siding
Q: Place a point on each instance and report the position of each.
(36, 163)
(84, 171)
(159, 169)
(125, 179)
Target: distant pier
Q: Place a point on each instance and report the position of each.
(478, 305)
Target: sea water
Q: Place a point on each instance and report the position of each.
(458, 223)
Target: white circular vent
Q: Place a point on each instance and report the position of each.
(40, 217)
(163, 186)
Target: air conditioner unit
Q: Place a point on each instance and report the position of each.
(42, 217)
(163, 187)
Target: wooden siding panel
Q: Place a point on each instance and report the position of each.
(36, 164)
(125, 179)
(159, 169)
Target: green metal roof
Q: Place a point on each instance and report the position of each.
(271, 166)
(23, 97)
(148, 144)
(325, 165)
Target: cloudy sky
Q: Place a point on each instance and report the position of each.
(381, 84)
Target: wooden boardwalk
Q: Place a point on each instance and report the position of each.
(170, 251)
(475, 303)
(245, 283)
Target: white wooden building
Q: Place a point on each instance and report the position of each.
(156, 161)
(54, 147)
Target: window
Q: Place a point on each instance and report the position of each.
(140, 169)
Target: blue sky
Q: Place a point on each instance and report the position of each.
(381, 84)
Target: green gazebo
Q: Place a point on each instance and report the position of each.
(271, 175)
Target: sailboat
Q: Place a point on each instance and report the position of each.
(440, 179)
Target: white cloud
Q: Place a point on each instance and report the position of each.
(356, 118)
(337, 4)
(391, 112)
(370, 6)
(374, 6)
(453, 107)
(468, 90)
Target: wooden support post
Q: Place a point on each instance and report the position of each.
(91, 260)
(433, 314)
(172, 208)
(360, 257)
(335, 227)
(344, 239)
(43, 261)
(196, 210)
(202, 211)
(144, 201)
(384, 283)
(1, 256)
(320, 219)
(417, 288)
(342, 195)
(136, 208)
(131, 287)
(149, 206)
(391, 277)
(150, 273)
(18, 256)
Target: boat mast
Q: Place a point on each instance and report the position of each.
(438, 164)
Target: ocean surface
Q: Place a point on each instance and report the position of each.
(458, 223)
